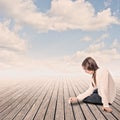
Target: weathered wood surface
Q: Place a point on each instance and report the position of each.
(47, 99)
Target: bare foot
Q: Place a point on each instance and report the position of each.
(107, 109)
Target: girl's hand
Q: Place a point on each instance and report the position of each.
(107, 109)
(73, 100)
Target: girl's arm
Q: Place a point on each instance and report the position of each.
(88, 92)
(102, 78)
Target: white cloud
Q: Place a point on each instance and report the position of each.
(23, 12)
(17, 28)
(13, 55)
(73, 15)
(95, 47)
(12, 47)
(99, 39)
(78, 14)
(102, 37)
(86, 39)
(10, 40)
(105, 57)
(116, 44)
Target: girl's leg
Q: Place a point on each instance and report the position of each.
(94, 98)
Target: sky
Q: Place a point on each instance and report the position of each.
(53, 37)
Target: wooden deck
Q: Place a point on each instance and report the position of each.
(48, 100)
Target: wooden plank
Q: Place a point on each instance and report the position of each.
(10, 87)
(15, 109)
(88, 114)
(68, 108)
(116, 106)
(49, 101)
(108, 116)
(41, 112)
(11, 91)
(7, 90)
(9, 96)
(115, 113)
(60, 102)
(11, 100)
(96, 112)
(117, 101)
(116, 109)
(117, 96)
(118, 93)
(8, 107)
(22, 111)
(6, 97)
(34, 109)
(76, 108)
(51, 111)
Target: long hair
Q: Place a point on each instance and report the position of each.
(90, 64)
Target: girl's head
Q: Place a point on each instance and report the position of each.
(89, 65)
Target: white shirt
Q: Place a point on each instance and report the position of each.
(106, 87)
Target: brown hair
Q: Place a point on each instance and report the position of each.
(90, 64)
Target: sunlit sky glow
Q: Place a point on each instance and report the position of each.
(54, 36)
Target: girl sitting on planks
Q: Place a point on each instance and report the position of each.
(102, 90)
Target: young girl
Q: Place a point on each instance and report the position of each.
(102, 89)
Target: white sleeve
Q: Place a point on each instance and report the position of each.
(88, 92)
(102, 77)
